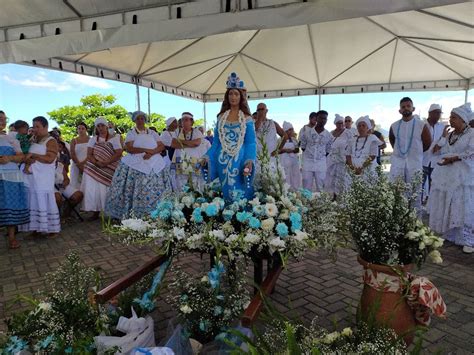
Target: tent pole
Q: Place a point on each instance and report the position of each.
(319, 99)
(149, 107)
(466, 95)
(138, 96)
(205, 118)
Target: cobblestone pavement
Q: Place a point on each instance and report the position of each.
(315, 286)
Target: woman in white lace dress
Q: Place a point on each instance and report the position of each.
(452, 193)
(336, 173)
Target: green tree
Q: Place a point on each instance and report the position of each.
(93, 106)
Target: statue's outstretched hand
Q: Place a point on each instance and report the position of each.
(248, 169)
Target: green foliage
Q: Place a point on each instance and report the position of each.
(96, 105)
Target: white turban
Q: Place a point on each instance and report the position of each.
(434, 107)
(137, 114)
(338, 118)
(365, 119)
(464, 112)
(100, 120)
(287, 126)
(169, 121)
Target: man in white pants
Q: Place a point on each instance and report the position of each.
(429, 160)
(316, 145)
(409, 137)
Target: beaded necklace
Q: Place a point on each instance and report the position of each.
(457, 136)
(403, 153)
(358, 152)
(231, 150)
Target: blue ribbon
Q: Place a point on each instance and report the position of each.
(143, 351)
(146, 302)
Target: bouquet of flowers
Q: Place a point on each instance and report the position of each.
(65, 319)
(384, 223)
(208, 305)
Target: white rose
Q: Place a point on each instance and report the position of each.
(135, 224)
(44, 306)
(435, 257)
(251, 238)
(255, 202)
(277, 243)
(347, 332)
(300, 236)
(421, 246)
(270, 199)
(185, 309)
(285, 214)
(268, 224)
(331, 337)
(437, 242)
(412, 235)
(271, 209)
(178, 233)
(188, 201)
(219, 234)
(427, 240)
(205, 279)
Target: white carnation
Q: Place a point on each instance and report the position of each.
(268, 224)
(435, 257)
(135, 224)
(44, 306)
(300, 236)
(277, 243)
(185, 309)
(255, 202)
(231, 238)
(179, 233)
(285, 214)
(271, 209)
(412, 235)
(218, 234)
(188, 200)
(251, 238)
(347, 332)
(331, 337)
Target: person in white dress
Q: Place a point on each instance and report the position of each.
(103, 154)
(451, 203)
(188, 151)
(267, 132)
(348, 125)
(336, 174)
(429, 160)
(309, 126)
(44, 212)
(362, 149)
(166, 138)
(316, 145)
(409, 137)
(79, 155)
(142, 177)
(289, 158)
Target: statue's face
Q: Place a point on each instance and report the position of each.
(234, 97)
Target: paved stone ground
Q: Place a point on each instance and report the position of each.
(316, 286)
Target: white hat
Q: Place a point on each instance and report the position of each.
(100, 120)
(365, 119)
(435, 107)
(137, 114)
(287, 126)
(338, 118)
(464, 111)
(169, 121)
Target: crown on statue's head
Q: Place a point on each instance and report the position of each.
(234, 82)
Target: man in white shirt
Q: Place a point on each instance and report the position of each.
(429, 160)
(309, 126)
(348, 125)
(409, 137)
(316, 145)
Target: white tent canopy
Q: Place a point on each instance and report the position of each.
(278, 47)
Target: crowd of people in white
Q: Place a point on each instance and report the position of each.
(40, 175)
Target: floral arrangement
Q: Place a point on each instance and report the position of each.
(384, 223)
(208, 305)
(291, 337)
(65, 319)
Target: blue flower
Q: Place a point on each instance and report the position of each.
(154, 214)
(44, 343)
(236, 195)
(68, 350)
(234, 207)
(186, 188)
(254, 223)
(177, 215)
(217, 310)
(164, 215)
(242, 217)
(228, 214)
(296, 221)
(164, 205)
(15, 345)
(214, 274)
(306, 193)
(220, 297)
(203, 325)
(282, 229)
(184, 298)
(212, 210)
(200, 200)
(197, 216)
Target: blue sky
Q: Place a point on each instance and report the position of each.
(26, 92)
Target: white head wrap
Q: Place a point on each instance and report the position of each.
(338, 118)
(365, 119)
(169, 121)
(435, 107)
(100, 120)
(138, 113)
(287, 126)
(184, 115)
(464, 112)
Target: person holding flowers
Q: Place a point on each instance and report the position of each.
(232, 155)
(451, 203)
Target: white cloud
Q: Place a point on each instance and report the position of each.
(71, 82)
(89, 81)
